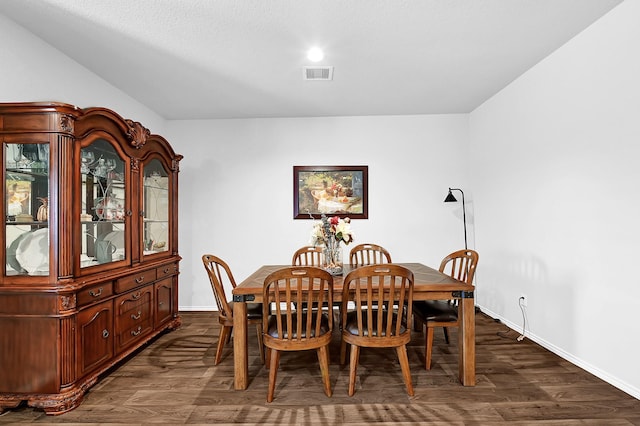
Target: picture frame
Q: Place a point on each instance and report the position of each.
(330, 190)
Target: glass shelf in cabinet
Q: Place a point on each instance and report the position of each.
(163, 188)
(27, 222)
(27, 172)
(101, 221)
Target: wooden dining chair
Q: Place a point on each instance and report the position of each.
(288, 329)
(368, 254)
(220, 274)
(382, 296)
(308, 256)
(460, 265)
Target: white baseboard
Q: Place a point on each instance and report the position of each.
(197, 308)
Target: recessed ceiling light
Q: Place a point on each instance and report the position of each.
(315, 54)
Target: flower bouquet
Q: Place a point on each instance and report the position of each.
(330, 232)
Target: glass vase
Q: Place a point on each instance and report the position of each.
(333, 256)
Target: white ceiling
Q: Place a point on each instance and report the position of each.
(190, 59)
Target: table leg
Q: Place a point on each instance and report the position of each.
(467, 341)
(240, 355)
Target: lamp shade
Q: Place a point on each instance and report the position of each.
(450, 198)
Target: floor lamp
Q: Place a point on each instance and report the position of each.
(451, 199)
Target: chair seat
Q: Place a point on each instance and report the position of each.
(435, 311)
(254, 310)
(352, 324)
(272, 329)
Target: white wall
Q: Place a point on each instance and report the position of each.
(554, 166)
(33, 71)
(236, 188)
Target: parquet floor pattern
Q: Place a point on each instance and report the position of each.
(173, 381)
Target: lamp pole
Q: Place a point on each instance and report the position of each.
(451, 199)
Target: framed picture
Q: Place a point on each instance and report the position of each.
(330, 190)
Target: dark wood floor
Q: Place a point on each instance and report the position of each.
(173, 381)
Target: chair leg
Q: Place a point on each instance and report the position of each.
(446, 334)
(267, 357)
(404, 365)
(428, 348)
(273, 371)
(260, 341)
(225, 332)
(343, 352)
(323, 359)
(353, 366)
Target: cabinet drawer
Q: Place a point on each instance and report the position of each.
(167, 270)
(95, 293)
(133, 301)
(135, 280)
(133, 334)
(138, 315)
(134, 316)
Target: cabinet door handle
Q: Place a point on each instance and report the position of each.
(94, 294)
(166, 270)
(129, 213)
(136, 331)
(140, 279)
(105, 333)
(160, 303)
(136, 295)
(136, 316)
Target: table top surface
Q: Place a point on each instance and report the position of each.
(425, 279)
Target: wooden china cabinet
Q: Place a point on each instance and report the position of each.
(91, 248)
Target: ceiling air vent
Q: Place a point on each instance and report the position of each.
(317, 73)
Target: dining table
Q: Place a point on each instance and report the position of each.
(429, 284)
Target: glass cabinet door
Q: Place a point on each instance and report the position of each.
(26, 208)
(155, 208)
(102, 215)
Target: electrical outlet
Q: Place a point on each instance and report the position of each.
(523, 300)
